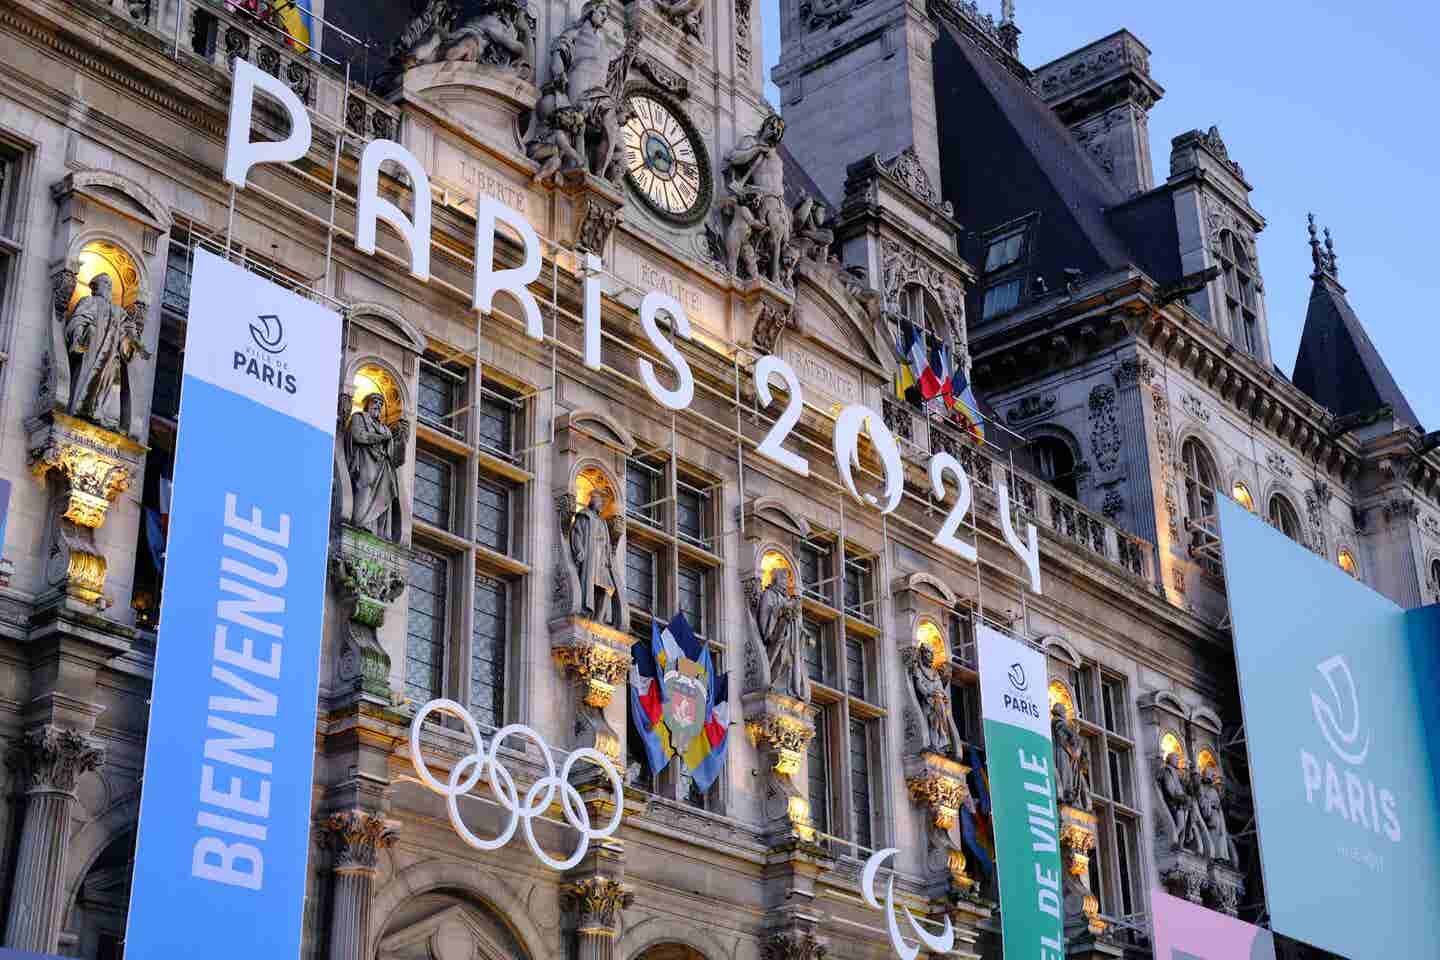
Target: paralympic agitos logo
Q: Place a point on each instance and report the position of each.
(264, 364)
(1344, 791)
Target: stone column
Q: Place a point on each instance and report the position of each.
(598, 901)
(356, 837)
(47, 763)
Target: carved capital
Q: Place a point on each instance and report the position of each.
(598, 901)
(1134, 371)
(939, 786)
(599, 667)
(95, 464)
(794, 944)
(368, 572)
(356, 837)
(51, 759)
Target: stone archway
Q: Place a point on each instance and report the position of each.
(448, 925)
(671, 951)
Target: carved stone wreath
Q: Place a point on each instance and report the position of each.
(701, 208)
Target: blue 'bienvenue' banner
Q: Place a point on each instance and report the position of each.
(1335, 685)
(220, 862)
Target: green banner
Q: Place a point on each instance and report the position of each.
(1027, 828)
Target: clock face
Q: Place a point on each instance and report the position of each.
(665, 162)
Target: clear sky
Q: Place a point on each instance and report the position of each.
(1330, 107)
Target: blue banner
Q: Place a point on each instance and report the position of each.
(220, 862)
(1335, 682)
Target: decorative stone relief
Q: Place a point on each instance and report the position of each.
(356, 837)
(820, 14)
(582, 104)
(592, 546)
(1195, 408)
(1134, 371)
(771, 321)
(368, 573)
(907, 170)
(1114, 504)
(1165, 452)
(756, 224)
(1105, 440)
(1317, 506)
(102, 347)
(1030, 408)
(742, 33)
(595, 227)
(685, 15)
(1094, 136)
(500, 33)
(598, 901)
(1279, 465)
(794, 944)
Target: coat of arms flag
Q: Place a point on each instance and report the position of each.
(677, 703)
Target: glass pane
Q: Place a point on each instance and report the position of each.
(496, 419)
(860, 781)
(432, 490)
(492, 515)
(1129, 861)
(640, 485)
(855, 668)
(1001, 298)
(819, 768)
(814, 569)
(1120, 776)
(692, 583)
(857, 589)
(425, 627)
(815, 641)
(1112, 691)
(488, 646)
(437, 395)
(169, 362)
(690, 514)
(177, 279)
(640, 578)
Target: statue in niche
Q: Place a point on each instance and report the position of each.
(588, 70)
(372, 452)
(755, 176)
(102, 340)
(502, 33)
(777, 614)
(1210, 800)
(1072, 761)
(593, 542)
(932, 693)
(1177, 807)
(684, 14)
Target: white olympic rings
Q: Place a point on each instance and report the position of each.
(486, 762)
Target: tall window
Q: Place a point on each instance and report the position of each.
(467, 583)
(860, 588)
(816, 571)
(1346, 559)
(1200, 479)
(1285, 518)
(1004, 250)
(671, 515)
(818, 761)
(1241, 292)
(1241, 495)
(1102, 706)
(1055, 463)
(861, 825)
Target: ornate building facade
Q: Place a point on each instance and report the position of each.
(508, 520)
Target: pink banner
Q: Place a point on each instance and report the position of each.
(1186, 931)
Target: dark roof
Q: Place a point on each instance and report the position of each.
(1010, 156)
(1338, 366)
(798, 181)
(1148, 225)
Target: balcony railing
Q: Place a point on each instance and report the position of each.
(1031, 497)
(219, 33)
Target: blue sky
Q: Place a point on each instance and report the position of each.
(1329, 106)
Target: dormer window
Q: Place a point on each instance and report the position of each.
(1242, 298)
(1001, 298)
(1004, 250)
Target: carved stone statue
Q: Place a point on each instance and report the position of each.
(372, 452)
(1072, 761)
(1177, 807)
(1210, 799)
(684, 14)
(932, 695)
(593, 541)
(823, 13)
(588, 70)
(811, 236)
(102, 340)
(778, 617)
(755, 176)
(502, 32)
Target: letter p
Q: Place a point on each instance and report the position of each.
(240, 152)
(1313, 778)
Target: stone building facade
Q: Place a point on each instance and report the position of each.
(1114, 329)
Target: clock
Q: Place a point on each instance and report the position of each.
(665, 161)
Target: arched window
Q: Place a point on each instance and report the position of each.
(1285, 518)
(1241, 495)
(1200, 479)
(1055, 463)
(1346, 559)
(1241, 292)
(919, 306)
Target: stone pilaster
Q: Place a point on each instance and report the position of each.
(598, 902)
(48, 762)
(356, 838)
(1077, 842)
(938, 784)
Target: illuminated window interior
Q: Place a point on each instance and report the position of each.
(928, 633)
(590, 480)
(1205, 760)
(1241, 493)
(1170, 744)
(99, 256)
(1059, 693)
(1346, 559)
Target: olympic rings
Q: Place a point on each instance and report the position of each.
(485, 762)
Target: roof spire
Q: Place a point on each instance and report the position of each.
(1007, 11)
(1316, 256)
(1333, 263)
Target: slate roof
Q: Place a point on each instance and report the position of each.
(1338, 366)
(798, 180)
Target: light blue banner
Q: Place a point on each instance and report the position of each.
(1334, 683)
(220, 864)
